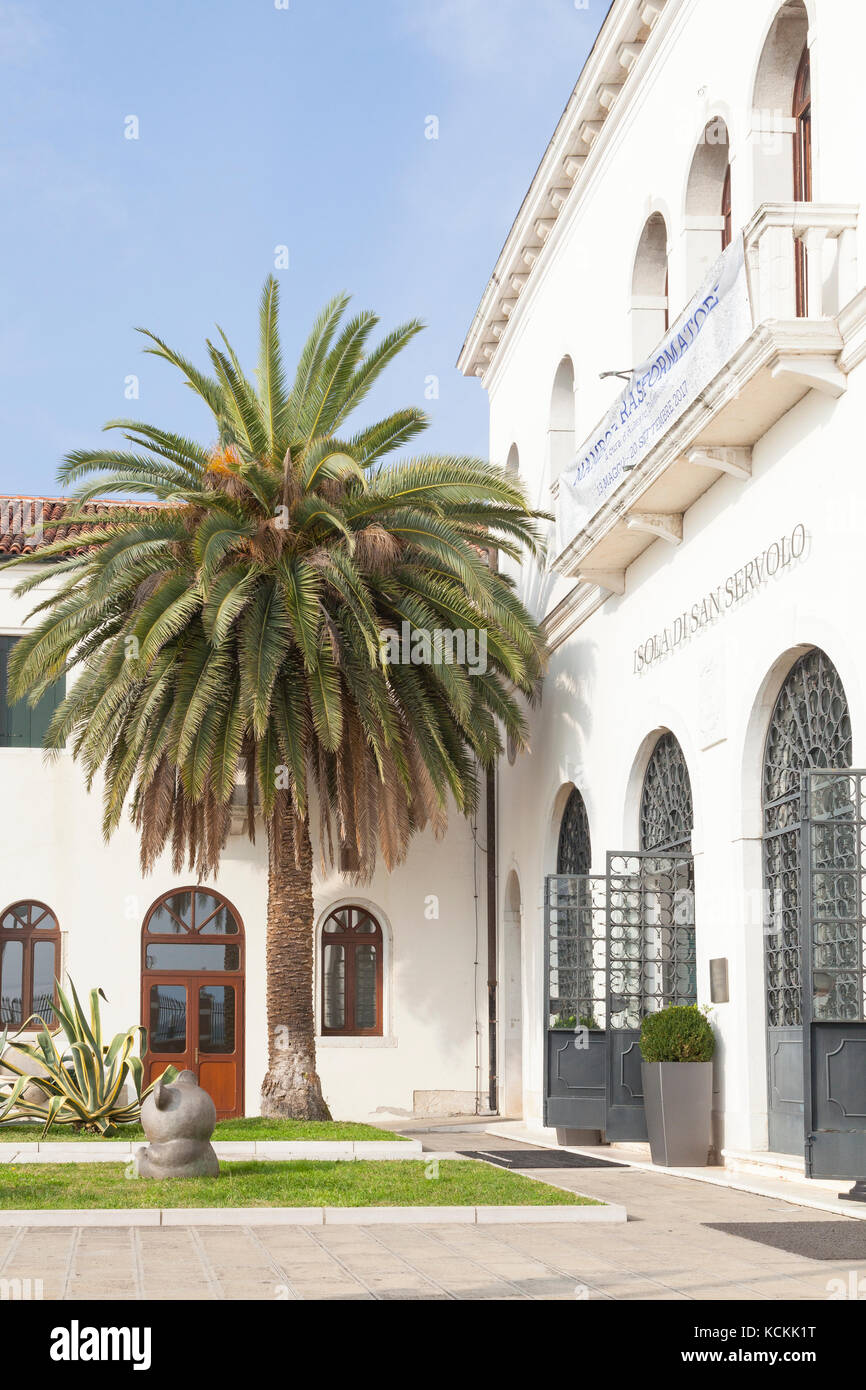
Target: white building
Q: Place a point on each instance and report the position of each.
(418, 1036)
(672, 341)
(703, 595)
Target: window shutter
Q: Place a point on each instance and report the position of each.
(21, 726)
(41, 716)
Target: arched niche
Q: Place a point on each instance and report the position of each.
(649, 288)
(774, 126)
(708, 211)
(561, 427)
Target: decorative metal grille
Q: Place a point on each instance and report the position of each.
(666, 812)
(810, 728)
(576, 926)
(836, 813)
(651, 928)
(574, 853)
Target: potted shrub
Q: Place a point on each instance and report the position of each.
(677, 1045)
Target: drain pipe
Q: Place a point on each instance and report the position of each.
(492, 983)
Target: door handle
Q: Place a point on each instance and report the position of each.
(196, 1054)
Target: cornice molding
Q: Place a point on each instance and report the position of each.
(579, 604)
(627, 39)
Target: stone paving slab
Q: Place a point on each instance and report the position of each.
(819, 1195)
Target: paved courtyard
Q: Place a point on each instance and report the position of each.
(664, 1252)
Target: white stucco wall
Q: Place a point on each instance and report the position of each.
(598, 719)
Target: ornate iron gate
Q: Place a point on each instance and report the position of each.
(575, 988)
(616, 948)
(834, 972)
(650, 964)
(810, 728)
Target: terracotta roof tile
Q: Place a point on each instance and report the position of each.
(29, 523)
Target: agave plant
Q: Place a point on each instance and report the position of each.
(81, 1081)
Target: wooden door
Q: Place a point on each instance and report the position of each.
(194, 1014)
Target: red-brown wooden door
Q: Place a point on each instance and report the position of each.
(195, 1015)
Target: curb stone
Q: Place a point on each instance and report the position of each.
(312, 1216)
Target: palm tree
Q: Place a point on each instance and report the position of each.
(230, 634)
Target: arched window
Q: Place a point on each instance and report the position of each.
(574, 852)
(810, 727)
(802, 166)
(29, 963)
(708, 201)
(560, 434)
(192, 986)
(649, 288)
(351, 971)
(666, 812)
(512, 463)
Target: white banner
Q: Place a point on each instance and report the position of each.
(717, 322)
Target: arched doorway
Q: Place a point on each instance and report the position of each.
(810, 727)
(192, 992)
(512, 1045)
(651, 960)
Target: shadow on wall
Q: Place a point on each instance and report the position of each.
(574, 687)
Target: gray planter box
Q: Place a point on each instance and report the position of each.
(678, 1098)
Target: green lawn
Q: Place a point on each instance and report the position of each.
(253, 1127)
(305, 1183)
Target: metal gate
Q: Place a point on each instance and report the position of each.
(783, 859)
(650, 964)
(810, 728)
(833, 894)
(575, 984)
(616, 948)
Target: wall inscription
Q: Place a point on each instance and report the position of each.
(751, 576)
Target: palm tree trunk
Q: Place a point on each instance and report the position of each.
(291, 1089)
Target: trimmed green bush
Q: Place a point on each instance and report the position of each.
(680, 1033)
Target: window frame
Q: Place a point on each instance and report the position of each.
(193, 933)
(350, 939)
(727, 211)
(802, 113)
(29, 935)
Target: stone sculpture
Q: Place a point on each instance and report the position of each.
(178, 1118)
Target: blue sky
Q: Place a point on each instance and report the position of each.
(258, 127)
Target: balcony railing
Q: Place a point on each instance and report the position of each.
(827, 233)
